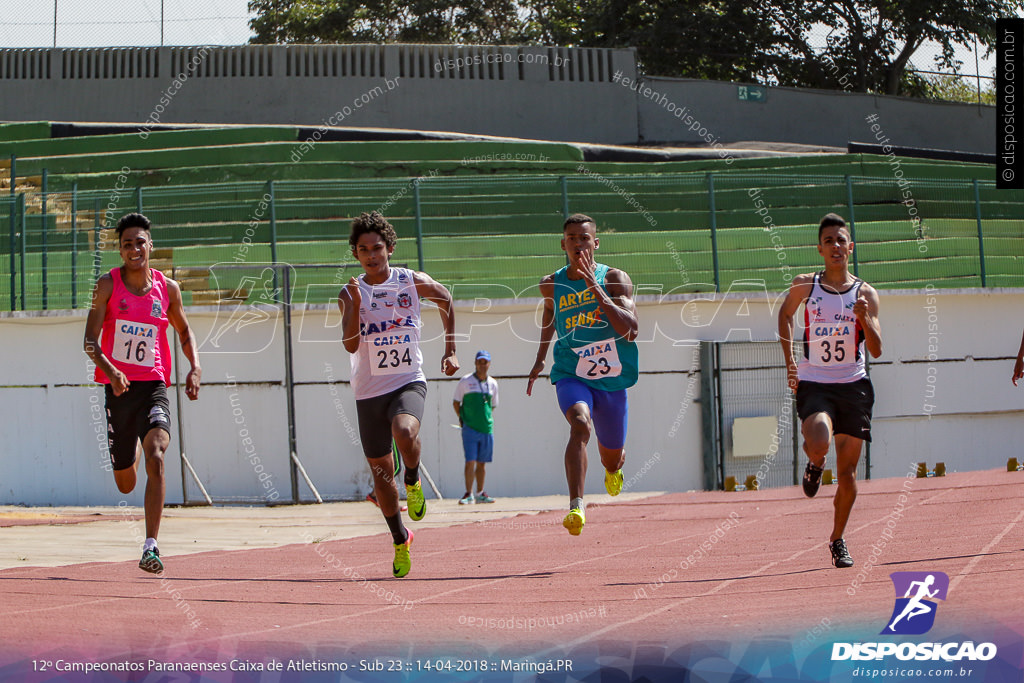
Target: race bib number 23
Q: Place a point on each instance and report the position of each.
(598, 360)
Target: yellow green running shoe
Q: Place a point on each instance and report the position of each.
(403, 563)
(613, 482)
(574, 521)
(417, 504)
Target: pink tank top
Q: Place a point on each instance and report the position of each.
(135, 331)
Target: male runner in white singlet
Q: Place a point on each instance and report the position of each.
(381, 326)
(833, 393)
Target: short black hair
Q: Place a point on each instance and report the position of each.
(577, 219)
(372, 222)
(831, 220)
(133, 220)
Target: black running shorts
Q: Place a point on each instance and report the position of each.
(131, 415)
(848, 405)
(376, 414)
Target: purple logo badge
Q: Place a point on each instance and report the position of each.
(916, 593)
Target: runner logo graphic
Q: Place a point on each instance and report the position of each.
(916, 593)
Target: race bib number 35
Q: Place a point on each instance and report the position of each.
(598, 360)
(830, 351)
(135, 343)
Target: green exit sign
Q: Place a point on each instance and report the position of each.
(752, 93)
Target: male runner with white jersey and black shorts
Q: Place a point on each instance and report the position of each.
(833, 393)
(381, 325)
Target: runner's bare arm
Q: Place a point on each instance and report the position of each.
(434, 291)
(1018, 366)
(617, 303)
(866, 310)
(349, 301)
(547, 330)
(176, 316)
(94, 327)
(798, 293)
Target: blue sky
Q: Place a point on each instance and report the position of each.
(107, 23)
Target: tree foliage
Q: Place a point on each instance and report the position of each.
(868, 48)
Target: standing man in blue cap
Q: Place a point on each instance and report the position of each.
(476, 397)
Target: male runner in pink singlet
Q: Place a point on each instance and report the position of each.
(126, 337)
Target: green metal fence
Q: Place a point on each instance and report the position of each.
(497, 236)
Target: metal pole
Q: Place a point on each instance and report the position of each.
(977, 70)
(14, 173)
(419, 221)
(138, 199)
(564, 182)
(21, 220)
(796, 436)
(55, 23)
(852, 221)
(707, 413)
(13, 211)
(97, 258)
(297, 464)
(981, 240)
(289, 380)
(714, 229)
(273, 229)
(177, 399)
(44, 244)
(74, 245)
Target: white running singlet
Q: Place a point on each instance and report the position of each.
(833, 339)
(389, 354)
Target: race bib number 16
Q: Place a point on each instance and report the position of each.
(598, 360)
(134, 343)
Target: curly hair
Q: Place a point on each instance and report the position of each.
(372, 222)
(132, 220)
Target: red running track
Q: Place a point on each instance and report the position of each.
(673, 568)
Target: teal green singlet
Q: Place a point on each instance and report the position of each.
(588, 347)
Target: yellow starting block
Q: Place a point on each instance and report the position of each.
(940, 469)
(730, 483)
(1011, 465)
(827, 477)
(922, 470)
(751, 482)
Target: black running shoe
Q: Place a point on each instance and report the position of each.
(840, 555)
(150, 562)
(812, 479)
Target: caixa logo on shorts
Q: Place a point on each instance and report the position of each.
(914, 611)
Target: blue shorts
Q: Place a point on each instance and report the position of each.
(609, 410)
(477, 445)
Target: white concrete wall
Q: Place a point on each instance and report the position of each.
(804, 116)
(50, 453)
(308, 84)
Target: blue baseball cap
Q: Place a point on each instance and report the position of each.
(483, 354)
